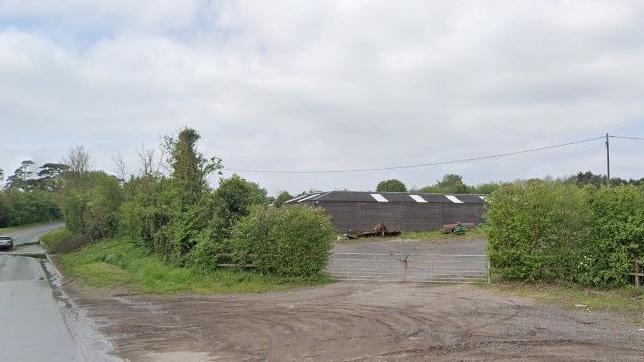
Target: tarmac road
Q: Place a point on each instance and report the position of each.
(31, 234)
(35, 322)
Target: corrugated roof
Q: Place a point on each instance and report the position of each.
(405, 197)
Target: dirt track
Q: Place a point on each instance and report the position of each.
(359, 321)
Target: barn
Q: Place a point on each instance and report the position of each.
(404, 211)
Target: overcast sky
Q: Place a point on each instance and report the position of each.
(310, 85)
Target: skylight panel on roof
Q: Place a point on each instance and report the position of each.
(295, 199)
(454, 199)
(379, 198)
(417, 198)
(308, 197)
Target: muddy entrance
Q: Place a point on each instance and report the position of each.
(358, 321)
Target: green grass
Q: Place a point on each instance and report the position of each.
(55, 236)
(434, 235)
(438, 235)
(62, 241)
(628, 299)
(122, 263)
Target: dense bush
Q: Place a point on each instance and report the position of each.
(292, 241)
(26, 207)
(553, 231)
(616, 233)
(145, 210)
(237, 196)
(91, 207)
(63, 241)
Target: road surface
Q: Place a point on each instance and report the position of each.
(36, 323)
(31, 234)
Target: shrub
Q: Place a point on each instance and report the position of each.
(616, 233)
(92, 207)
(553, 231)
(62, 241)
(532, 229)
(203, 256)
(292, 241)
(238, 196)
(145, 210)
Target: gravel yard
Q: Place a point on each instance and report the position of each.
(358, 321)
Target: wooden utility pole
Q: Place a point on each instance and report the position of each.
(607, 160)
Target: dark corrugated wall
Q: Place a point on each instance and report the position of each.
(362, 216)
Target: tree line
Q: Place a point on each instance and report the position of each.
(29, 194)
(169, 208)
(454, 184)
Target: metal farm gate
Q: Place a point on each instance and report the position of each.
(446, 268)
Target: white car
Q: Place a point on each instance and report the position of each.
(6, 242)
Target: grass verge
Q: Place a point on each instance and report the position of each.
(628, 299)
(122, 263)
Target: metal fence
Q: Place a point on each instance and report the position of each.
(410, 267)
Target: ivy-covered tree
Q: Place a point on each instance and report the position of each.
(189, 167)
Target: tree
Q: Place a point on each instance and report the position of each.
(588, 178)
(78, 161)
(92, 206)
(51, 176)
(21, 179)
(486, 188)
(282, 198)
(450, 184)
(238, 196)
(392, 185)
(189, 167)
(120, 168)
(146, 161)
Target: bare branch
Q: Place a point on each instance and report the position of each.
(146, 161)
(78, 160)
(120, 166)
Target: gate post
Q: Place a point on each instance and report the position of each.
(489, 271)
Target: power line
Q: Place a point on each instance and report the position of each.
(629, 138)
(420, 164)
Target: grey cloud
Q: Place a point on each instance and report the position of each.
(330, 85)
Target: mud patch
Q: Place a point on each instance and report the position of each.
(358, 321)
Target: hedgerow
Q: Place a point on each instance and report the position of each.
(553, 231)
